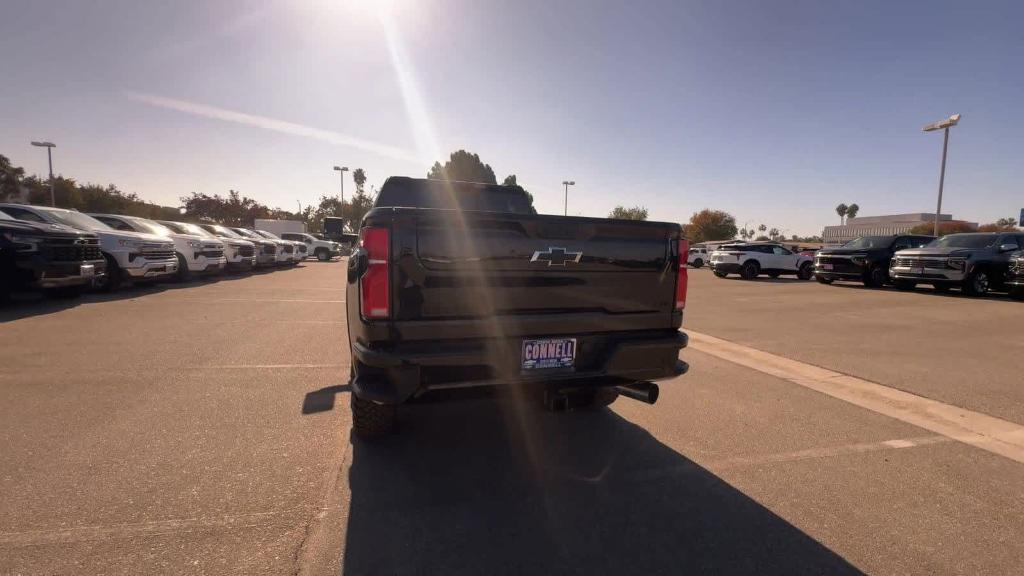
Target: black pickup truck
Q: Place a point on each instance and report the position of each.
(458, 285)
(59, 260)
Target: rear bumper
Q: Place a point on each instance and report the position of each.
(392, 375)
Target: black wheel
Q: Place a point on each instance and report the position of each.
(183, 274)
(876, 277)
(904, 284)
(113, 280)
(806, 271)
(976, 284)
(698, 263)
(372, 420)
(823, 279)
(1015, 293)
(720, 274)
(750, 270)
(322, 254)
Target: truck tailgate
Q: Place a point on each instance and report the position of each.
(534, 274)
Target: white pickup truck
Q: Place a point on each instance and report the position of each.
(130, 256)
(324, 250)
(196, 254)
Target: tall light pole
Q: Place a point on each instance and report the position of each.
(943, 125)
(341, 172)
(49, 158)
(567, 183)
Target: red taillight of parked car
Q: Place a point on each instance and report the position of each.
(374, 285)
(682, 279)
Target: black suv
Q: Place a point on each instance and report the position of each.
(62, 261)
(865, 259)
(974, 262)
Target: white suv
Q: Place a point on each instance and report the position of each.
(129, 255)
(750, 260)
(698, 257)
(324, 250)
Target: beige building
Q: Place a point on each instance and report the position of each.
(879, 226)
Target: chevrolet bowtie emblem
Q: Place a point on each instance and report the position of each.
(556, 256)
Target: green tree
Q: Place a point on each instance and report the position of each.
(947, 227)
(464, 166)
(842, 209)
(232, 210)
(623, 213)
(10, 179)
(510, 180)
(851, 211)
(773, 233)
(709, 225)
(359, 177)
(762, 228)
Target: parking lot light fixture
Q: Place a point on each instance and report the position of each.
(567, 183)
(943, 125)
(49, 158)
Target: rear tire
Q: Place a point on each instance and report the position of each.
(823, 280)
(1017, 293)
(322, 254)
(806, 271)
(905, 285)
(750, 270)
(372, 420)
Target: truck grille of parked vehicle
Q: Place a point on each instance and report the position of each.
(930, 263)
(269, 249)
(246, 251)
(74, 250)
(288, 249)
(156, 251)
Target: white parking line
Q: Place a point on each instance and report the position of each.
(980, 430)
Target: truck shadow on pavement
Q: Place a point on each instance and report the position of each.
(484, 487)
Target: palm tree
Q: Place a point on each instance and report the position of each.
(773, 233)
(762, 228)
(851, 211)
(842, 209)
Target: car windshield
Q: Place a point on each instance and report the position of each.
(266, 234)
(154, 227)
(225, 231)
(192, 229)
(78, 220)
(248, 234)
(869, 242)
(965, 241)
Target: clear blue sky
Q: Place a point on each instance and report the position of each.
(773, 111)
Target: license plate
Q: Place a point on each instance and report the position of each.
(549, 353)
(825, 266)
(87, 270)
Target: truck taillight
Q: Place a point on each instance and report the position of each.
(374, 285)
(682, 279)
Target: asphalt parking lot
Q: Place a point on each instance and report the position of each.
(204, 429)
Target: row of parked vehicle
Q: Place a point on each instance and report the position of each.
(66, 252)
(976, 263)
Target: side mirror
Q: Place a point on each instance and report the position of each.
(1009, 248)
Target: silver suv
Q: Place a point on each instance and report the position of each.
(973, 262)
